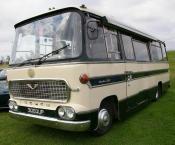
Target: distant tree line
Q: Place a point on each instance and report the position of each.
(4, 60)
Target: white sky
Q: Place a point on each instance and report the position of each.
(155, 17)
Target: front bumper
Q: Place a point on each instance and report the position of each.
(52, 122)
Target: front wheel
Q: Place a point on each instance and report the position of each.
(105, 119)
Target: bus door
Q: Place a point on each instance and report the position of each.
(131, 67)
(133, 86)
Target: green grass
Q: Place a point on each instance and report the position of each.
(154, 125)
(3, 65)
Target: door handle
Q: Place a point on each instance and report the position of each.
(129, 75)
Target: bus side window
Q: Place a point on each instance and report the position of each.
(112, 45)
(164, 52)
(128, 47)
(141, 50)
(96, 48)
(156, 52)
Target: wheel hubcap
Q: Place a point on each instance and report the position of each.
(103, 118)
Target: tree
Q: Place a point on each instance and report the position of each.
(2, 59)
(7, 59)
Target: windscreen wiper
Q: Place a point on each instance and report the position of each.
(43, 58)
(28, 61)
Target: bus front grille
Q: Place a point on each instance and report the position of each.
(40, 89)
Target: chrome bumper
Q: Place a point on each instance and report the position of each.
(52, 122)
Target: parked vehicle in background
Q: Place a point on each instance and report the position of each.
(77, 70)
(4, 93)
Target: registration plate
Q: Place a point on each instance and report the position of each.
(35, 111)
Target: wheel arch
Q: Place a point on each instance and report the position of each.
(112, 99)
(160, 85)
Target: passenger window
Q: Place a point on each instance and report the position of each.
(141, 51)
(128, 48)
(156, 43)
(164, 52)
(156, 52)
(112, 45)
(97, 48)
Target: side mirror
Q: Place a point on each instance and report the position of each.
(92, 30)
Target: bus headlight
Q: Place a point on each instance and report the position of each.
(61, 112)
(70, 113)
(13, 106)
(67, 113)
(16, 107)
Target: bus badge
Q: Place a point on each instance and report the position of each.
(31, 73)
(32, 86)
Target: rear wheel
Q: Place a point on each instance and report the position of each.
(158, 93)
(105, 118)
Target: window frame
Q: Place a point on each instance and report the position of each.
(125, 58)
(136, 40)
(107, 27)
(156, 47)
(161, 43)
(88, 40)
(114, 32)
(54, 13)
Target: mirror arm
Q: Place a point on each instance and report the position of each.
(104, 20)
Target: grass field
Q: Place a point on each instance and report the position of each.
(3, 65)
(154, 125)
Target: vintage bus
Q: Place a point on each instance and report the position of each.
(77, 70)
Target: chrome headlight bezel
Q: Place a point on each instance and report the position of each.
(66, 113)
(13, 106)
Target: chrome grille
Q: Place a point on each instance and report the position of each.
(40, 89)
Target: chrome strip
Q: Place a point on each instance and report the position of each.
(103, 85)
(124, 81)
(53, 122)
(42, 100)
(149, 76)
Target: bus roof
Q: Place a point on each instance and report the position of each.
(109, 20)
(121, 25)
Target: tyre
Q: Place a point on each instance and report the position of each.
(158, 93)
(105, 119)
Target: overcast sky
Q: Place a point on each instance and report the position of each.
(155, 17)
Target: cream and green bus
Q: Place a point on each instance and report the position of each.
(77, 70)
